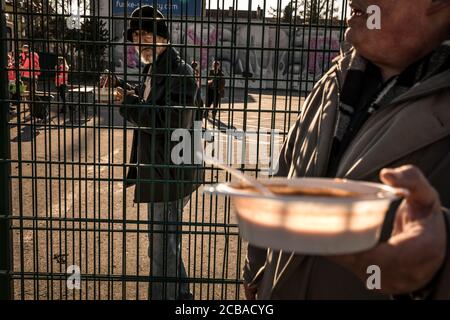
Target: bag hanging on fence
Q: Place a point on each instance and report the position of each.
(106, 94)
(12, 87)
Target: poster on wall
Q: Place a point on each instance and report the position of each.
(271, 56)
(263, 52)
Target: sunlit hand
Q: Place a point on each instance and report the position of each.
(109, 80)
(416, 249)
(119, 94)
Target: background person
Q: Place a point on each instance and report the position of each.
(29, 69)
(200, 103)
(10, 66)
(162, 104)
(216, 88)
(14, 91)
(197, 73)
(61, 81)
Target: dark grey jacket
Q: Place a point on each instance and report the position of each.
(414, 129)
(170, 106)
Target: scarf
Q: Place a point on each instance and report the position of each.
(418, 72)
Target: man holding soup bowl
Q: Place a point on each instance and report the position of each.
(383, 104)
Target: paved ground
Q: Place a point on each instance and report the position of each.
(74, 210)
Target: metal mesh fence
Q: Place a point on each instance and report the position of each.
(65, 149)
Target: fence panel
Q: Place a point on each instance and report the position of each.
(65, 213)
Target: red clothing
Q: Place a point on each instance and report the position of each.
(28, 68)
(11, 71)
(61, 75)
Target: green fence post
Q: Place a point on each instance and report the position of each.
(5, 207)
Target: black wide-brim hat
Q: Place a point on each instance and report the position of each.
(143, 18)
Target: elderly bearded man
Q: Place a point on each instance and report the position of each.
(164, 103)
(384, 104)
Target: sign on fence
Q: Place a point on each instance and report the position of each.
(167, 7)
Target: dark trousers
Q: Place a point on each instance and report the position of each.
(213, 98)
(62, 89)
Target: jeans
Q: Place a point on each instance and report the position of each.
(165, 251)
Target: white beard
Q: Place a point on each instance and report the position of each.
(145, 59)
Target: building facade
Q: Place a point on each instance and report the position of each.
(15, 23)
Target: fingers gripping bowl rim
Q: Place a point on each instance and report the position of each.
(312, 215)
